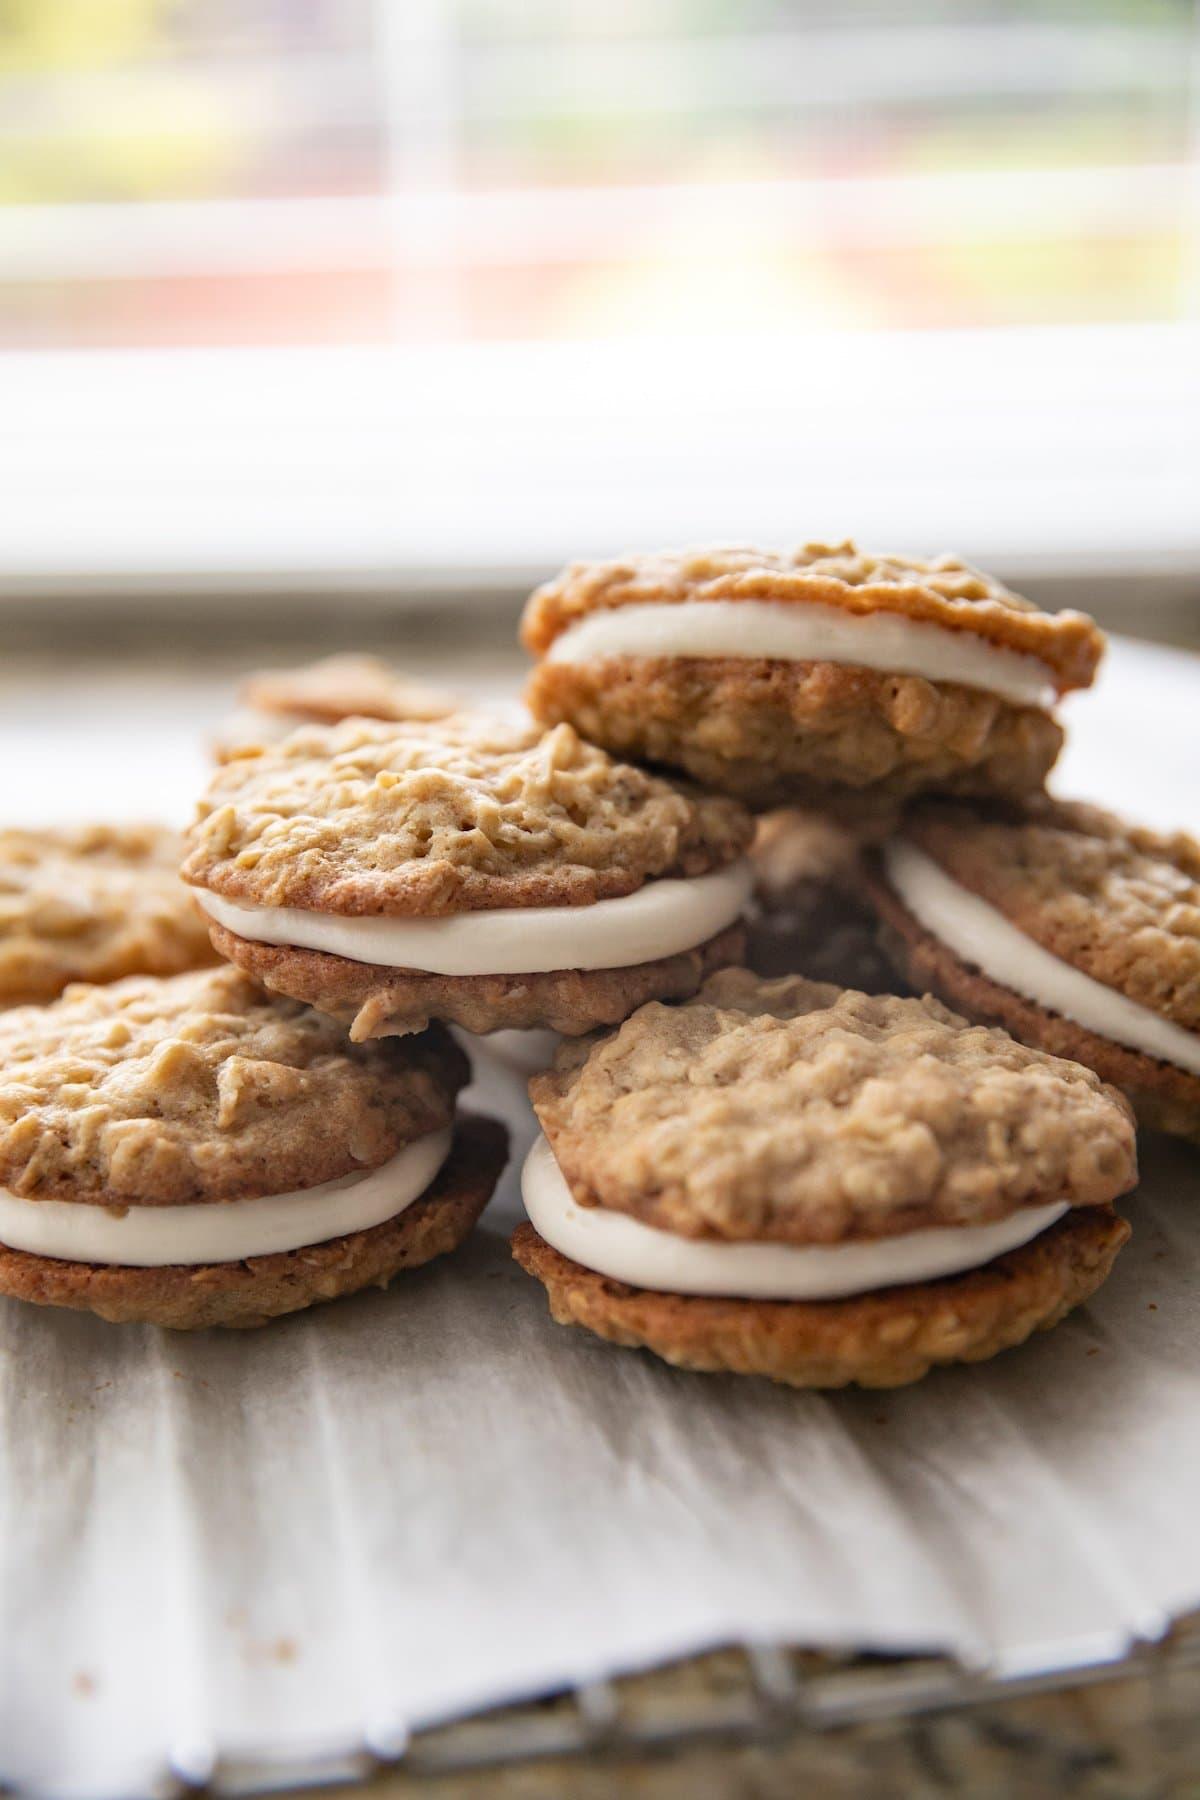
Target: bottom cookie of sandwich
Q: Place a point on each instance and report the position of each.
(886, 1338)
(260, 1288)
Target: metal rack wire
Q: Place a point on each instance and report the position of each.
(779, 1692)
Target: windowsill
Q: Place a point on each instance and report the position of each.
(1048, 453)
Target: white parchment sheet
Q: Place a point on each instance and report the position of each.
(404, 1506)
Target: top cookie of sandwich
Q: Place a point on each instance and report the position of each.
(826, 678)
(941, 591)
(1115, 900)
(456, 815)
(93, 903)
(201, 1087)
(797, 1112)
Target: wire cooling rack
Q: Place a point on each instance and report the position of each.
(764, 1693)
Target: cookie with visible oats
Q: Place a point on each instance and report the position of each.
(1077, 931)
(825, 677)
(788, 1179)
(257, 1289)
(475, 869)
(876, 1340)
(190, 1152)
(273, 702)
(93, 903)
(810, 914)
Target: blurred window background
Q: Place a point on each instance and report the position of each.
(201, 172)
(988, 199)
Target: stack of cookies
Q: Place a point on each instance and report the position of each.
(181, 1147)
(838, 1179)
(827, 763)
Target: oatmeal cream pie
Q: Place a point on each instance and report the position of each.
(93, 903)
(1078, 932)
(784, 1178)
(190, 1152)
(825, 676)
(273, 702)
(810, 913)
(472, 869)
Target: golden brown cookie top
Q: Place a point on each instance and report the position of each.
(452, 816)
(340, 687)
(93, 903)
(201, 1087)
(792, 1111)
(1115, 900)
(941, 591)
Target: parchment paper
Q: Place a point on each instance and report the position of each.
(405, 1506)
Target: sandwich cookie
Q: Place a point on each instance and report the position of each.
(810, 913)
(825, 677)
(782, 1178)
(93, 903)
(474, 869)
(190, 1152)
(1078, 932)
(273, 702)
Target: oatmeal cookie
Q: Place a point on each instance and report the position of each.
(274, 702)
(787, 1179)
(1076, 930)
(790, 1111)
(257, 1289)
(380, 1002)
(940, 590)
(824, 677)
(93, 903)
(472, 812)
(154, 1092)
(877, 1340)
(189, 1151)
(475, 869)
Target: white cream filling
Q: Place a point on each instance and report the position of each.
(523, 1052)
(221, 1231)
(624, 1249)
(659, 919)
(981, 935)
(806, 633)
